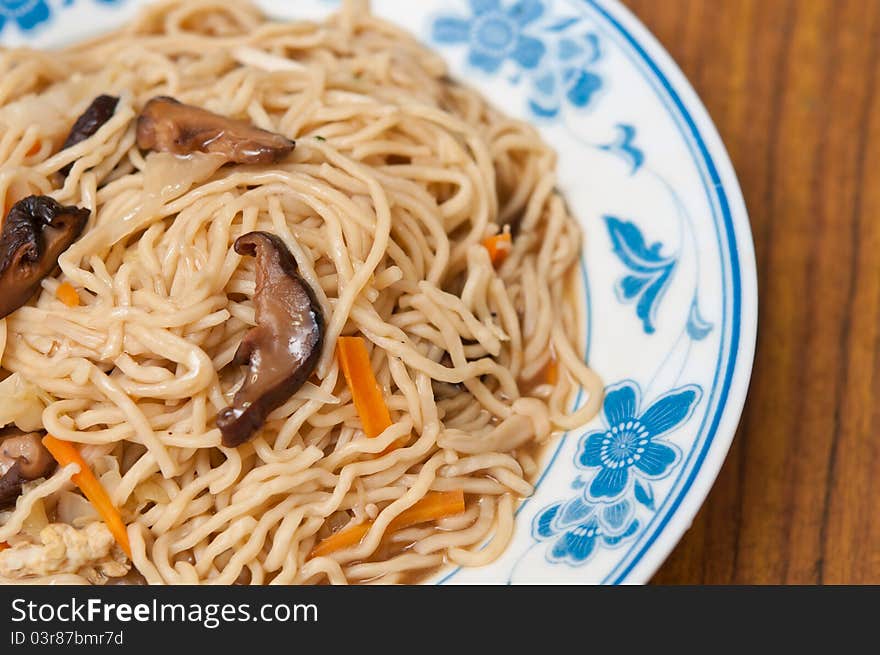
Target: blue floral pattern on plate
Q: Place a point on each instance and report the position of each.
(649, 271)
(632, 445)
(577, 529)
(569, 78)
(624, 146)
(629, 452)
(28, 14)
(556, 54)
(495, 33)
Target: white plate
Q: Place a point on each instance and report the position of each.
(668, 266)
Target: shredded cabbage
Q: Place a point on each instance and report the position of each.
(167, 176)
(35, 522)
(75, 510)
(21, 403)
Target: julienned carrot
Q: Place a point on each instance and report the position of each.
(66, 453)
(551, 372)
(3, 546)
(498, 247)
(67, 294)
(435, 505)
(354, 360)
(340, 540)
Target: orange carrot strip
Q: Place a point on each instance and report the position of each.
(34, 149)
(3, 546)
(66, 453)
(365, 391)
(67, 294)
(435, 505)
(345, 538)
(498, 247)
(551, 372)
(394, 445)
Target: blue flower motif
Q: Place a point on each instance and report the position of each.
(630, 446)
(628, 453)
(570, 79)
(495, 33)
(697, 327)
(624, 146)
(650, 271)
(554, 54)
(27, 13)
(577, 528)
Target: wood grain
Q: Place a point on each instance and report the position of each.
(793, 87)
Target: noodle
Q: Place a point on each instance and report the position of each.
(397, 177)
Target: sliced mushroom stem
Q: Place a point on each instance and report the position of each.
(167, 125)
(283, 349)
(91, 120)
(36, 231)
(132, 578)
(23, 457)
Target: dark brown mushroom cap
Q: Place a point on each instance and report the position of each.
(10, 487)
(91, 120)
(132, 578)
(167, 125)
(36, 231)
(283, 349)
(23, 457)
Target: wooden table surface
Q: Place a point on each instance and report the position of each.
(793, 87)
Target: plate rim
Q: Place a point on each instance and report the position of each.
(659, 543)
